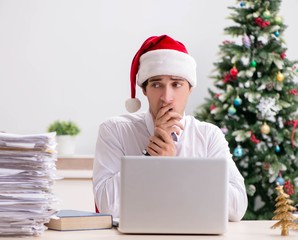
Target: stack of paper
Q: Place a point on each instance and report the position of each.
(27, 175)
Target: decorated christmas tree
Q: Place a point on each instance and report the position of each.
(283, 212)
(254, 100)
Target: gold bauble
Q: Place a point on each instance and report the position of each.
(280, 77)
(265, 129)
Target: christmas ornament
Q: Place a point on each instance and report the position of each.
(283, 55)
(242, 4)
(280, 181)
(276, 33)
(283, 212)
(260, 22)
(265, 129)
(246, 41)
(289, 187)
(254, 139)
(268, 108)
(232, 110)
(234, 71)
(238, 151)
(267, 14)
(228, 77)
(293, 92)
(265, 24)
(280, 77)
(253, 63)
(237, 101)
(277, 149)
(278, 20)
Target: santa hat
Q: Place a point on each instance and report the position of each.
(159, 55)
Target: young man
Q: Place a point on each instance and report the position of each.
(166, 73)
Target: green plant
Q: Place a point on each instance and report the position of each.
(64, 128)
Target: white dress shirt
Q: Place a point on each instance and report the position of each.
(129, 135)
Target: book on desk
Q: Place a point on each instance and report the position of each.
(70, 220)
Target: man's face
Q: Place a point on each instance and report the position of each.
(164, 90)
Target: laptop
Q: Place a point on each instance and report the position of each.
(173, 195)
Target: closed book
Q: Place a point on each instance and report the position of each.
(80, 220)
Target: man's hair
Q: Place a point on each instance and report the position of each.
(144, 84)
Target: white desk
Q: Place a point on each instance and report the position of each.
(250, 230)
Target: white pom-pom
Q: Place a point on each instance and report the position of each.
(132, 104)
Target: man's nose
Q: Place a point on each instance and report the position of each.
(167, 95)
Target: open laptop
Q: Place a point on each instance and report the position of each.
(173, 195)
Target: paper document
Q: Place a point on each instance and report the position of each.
(27, 175)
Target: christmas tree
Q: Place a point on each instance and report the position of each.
(254, 101)
(283, 212)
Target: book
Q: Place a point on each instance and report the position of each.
(68, 220)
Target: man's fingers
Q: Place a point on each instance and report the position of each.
(164, 110)
(162, 135)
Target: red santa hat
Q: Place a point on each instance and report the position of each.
(159, 55)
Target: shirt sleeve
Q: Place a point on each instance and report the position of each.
(218, 147)
(106, 170)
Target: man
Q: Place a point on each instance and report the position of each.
(167, 74)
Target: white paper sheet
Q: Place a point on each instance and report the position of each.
(27, 175)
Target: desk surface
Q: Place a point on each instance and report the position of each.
(250, 230)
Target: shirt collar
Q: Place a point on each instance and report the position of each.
(150, 124)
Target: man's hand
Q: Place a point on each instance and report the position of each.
(166, 122)
(161, 144)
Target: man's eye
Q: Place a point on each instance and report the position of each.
(177, 84)
(155, 85)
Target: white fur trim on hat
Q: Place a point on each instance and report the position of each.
(167, 62)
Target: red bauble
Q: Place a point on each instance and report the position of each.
(283, 55)
(234, 72)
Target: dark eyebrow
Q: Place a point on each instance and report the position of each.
(154, 79)
(173, 78)
(177, 79)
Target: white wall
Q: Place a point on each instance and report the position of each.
(70, 59)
